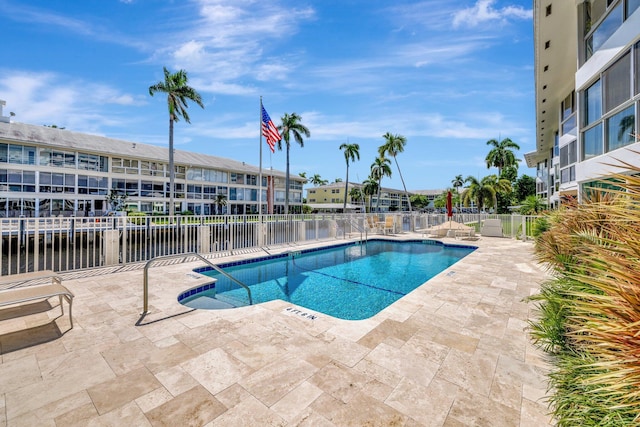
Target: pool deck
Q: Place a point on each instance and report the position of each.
(454, 352)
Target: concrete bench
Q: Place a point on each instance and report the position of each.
(16, 296)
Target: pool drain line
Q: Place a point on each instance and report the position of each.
(293, 261)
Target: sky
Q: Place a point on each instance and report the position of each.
(447, 75)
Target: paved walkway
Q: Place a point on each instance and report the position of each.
(454, 352)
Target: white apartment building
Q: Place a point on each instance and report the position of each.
(49, 172)
(587, 84)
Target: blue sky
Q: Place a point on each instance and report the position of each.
(448, 75)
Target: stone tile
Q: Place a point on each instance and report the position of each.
(114, 393)
(216, 370)
(339, 381)
(388, 328)
(176, 380)
(296, 401)
(362, 410)
(62, 377)
(274, 381)
(428, 406)
(346, 352)
(233, 395)
(124, 357)
(19, 373)
(3, 411)
(477, 410)
(195, 407)
(473, 373)
(153, 399)
(160, 359)
(78, 417)
(127, 415)
(249, 412)
(404, 363)
(535, 415)
(46, 414)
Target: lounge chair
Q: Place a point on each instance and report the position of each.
(491, 228)
(389, 225)
(374, 224)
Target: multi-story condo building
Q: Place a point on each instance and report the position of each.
(330, 197)
(47, 171)
(587, 85)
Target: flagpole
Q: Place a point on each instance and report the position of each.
(260, 174)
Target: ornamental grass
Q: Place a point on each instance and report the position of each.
(589, 313)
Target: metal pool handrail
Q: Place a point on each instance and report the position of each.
(145, 285)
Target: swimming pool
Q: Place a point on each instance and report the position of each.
(350, 281)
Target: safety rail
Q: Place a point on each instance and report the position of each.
(145, 309)
(354, 224)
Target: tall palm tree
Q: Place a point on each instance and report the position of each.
(291, 125)
(369, 188)
(351, 152)
(379, 169)
(393, 145)
(501, 155)
(484, 192)
(178, 92)
(458, 182)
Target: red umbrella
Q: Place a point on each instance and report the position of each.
(449, 205)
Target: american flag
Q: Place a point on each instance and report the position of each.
(269, 130)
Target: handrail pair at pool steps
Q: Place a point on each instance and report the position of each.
(145, 284)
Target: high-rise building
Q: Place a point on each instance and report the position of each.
(587, 85)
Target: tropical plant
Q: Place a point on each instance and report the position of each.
(369, 188)
(532, 205)
(393, 145)
(379, 169)
(419, 201)
(351, 153)
(501, 155)
(484, 192)
(303, 175)
(290, 125)
(458, 182)
(117, 200)
(356, 195)
(178, 92)
(590, 311)
(220, 201)
(317, 180)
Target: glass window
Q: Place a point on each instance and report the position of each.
(617, 83)
(4, 153)
(621, 129)
(605, 29)
(592, 103)
(632, 5)
(592, 144)
(637, 64)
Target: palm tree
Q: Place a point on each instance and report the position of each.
(458, 182)
(356, 194)
(501, 155)
(317, 180)
(485, 191)
(379, 169)
(351, 152)
(178, 92)
(393, 145)
(532, 205)
(220, 201)
(369, 188)
(291, 125)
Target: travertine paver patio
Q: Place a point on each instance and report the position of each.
(452, 353)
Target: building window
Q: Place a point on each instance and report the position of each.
(637, 66)
(592, 103)
(604, 29)
(617, 83)
(17, 154)
(58, 159)
(127, 166)
(592, 144)
(568, 117)
(17, 181)
(621, 128)
(57, 182)
(92, 185)
(92, 162)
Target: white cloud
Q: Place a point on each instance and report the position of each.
(484, 12)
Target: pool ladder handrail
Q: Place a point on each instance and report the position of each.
(355, 225)
(145, 285)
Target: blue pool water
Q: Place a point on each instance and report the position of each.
(350, 282)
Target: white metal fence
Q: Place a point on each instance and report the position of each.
(66, 244)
